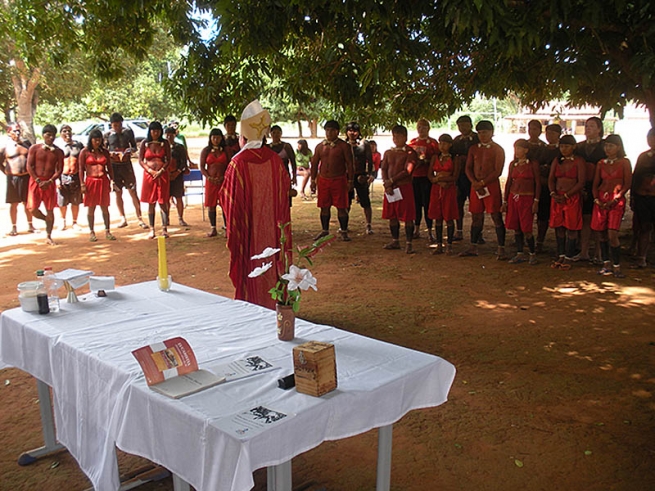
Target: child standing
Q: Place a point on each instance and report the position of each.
(443, 195)
(521, 200)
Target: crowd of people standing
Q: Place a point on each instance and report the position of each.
(579, 189)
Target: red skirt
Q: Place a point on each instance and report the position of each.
(97, 191)
(404, 209)
(155, 190)
(37, 195)
(443, 203)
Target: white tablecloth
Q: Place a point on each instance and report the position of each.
(101, 399)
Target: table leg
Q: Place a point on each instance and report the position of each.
(278, 477)
(385, 437)
(180, 484)
(48, 428)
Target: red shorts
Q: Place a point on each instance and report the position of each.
(332, 192)
(519, 213)
(404, 209)
(567, 215)
(155, 190)
(490, 204)
(608, 218)
(211, 194)
(97, 191)
(443, 203)
(37, 195)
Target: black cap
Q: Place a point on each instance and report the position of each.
(484, 125)
(567, 140)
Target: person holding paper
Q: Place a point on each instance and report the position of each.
(333, 176)
(484, 166)
(397, 167)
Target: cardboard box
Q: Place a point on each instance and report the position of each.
(315, 368)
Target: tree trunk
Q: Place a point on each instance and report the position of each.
(25, 82)
(313, 128)
(299, 129)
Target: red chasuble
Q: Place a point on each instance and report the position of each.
(255, 198)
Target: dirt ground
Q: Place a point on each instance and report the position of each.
(555, 370)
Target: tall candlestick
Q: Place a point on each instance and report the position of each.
(163, 267)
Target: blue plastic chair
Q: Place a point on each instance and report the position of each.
(194, 186)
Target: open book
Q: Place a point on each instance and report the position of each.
(171, 368)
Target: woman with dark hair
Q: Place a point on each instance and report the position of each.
(613, 179)
(213, 162)
(303, 159)
(97, 176)
(288, 156)
(154, 157)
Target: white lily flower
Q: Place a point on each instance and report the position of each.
(260, 270)
(268, 252)
(299, 278)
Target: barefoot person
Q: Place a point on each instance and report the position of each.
(303, 159)
(611, 183)
(69, 191)
(178, 167)
(232, 146)
(642, 199)
(425, 147)
(566, 181)
(363, 172)
(213, 162)
(155, 157)
(96, 175)
(521, 200)
(461, 146)
(443, 198)
(44, 164)
(121, 144)
(332, 179)
(397, 167)
(13, 160)
(484, 166)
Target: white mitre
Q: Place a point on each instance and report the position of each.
(255, 123)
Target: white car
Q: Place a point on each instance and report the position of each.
(138, 126)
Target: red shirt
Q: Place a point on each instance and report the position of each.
(428, 148)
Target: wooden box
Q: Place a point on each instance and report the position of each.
(315, 368)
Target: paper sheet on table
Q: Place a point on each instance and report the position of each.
(75, 277)
(248, 423)
(395, 196)
(102, 283)
(245, 367)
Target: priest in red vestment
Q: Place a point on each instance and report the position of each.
(255, 199)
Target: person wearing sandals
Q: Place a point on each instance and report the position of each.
(642, 198)
(565, 182)
(213, 163)
(612, 180)
(97, 177)
(155, 157)
(443, 174)
(521, 200)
